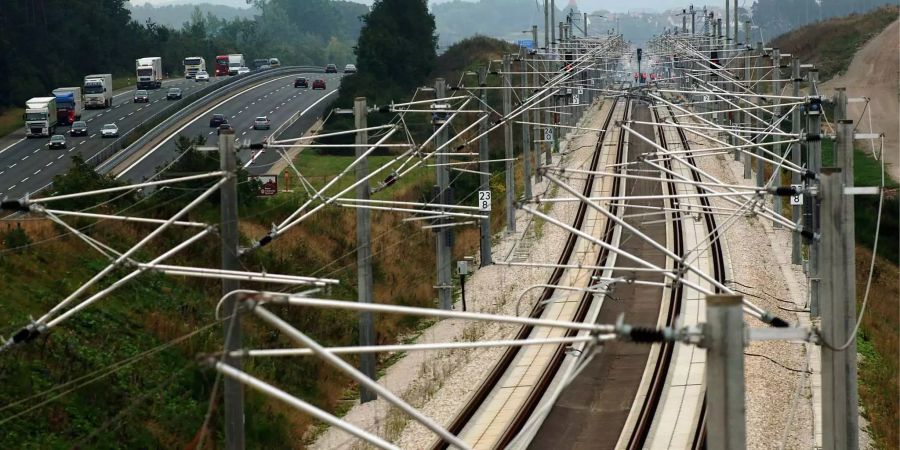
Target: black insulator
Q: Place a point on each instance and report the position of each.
(265, 240)
(778, 322)
(641, 334)
(13, 205)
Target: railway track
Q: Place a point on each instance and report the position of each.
(553, 355)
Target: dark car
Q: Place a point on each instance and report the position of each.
(141, 96)
(173, 94)
(79, 128)
(319, 84)
(224, 126)
(301, 83)
(57, 141)
(217, 119)
(331, 68)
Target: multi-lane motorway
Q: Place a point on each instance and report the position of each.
(28, 165)
(276, 98)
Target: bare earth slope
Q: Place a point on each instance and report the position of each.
(875, 73)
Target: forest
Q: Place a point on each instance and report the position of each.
(50, 43)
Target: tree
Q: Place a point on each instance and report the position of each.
(82, 177)
(397, 43)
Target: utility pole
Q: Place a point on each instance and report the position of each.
(364, 250)
(693, 19)
(735, 20)
(508, 142)
(526, 128)
(796, 158)
(775, 77)
(727, 21)
(723, 336)
(485, 169)
(233, 390)
(585, 25)
(536, 115)
(442, 235)
(547, 23)
(814, 162)
(838, 303)
(553, 22)
(760, 164)
(745, 116)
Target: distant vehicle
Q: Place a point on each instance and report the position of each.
(274, 62)
(173, 94)
(260, 62)
(201, 76)
(223, 127)
(217, 119)
(349, 68)
(331, 68)
(149, 72)
(192, 65)
(264, 67)
(141, 96)
(79, 128)
(57, 141)
(261, 123)
(243, 70)
(318, 84)
(301, 83)
(109, 130)
(235, 62)
(221, 65)
(98, 92)
(68, 104)
(40, 116)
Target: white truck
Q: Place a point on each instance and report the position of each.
(68, 104)
(192, 65)
(40, 116)
(98, 91)
(149, 72)
(235, 62)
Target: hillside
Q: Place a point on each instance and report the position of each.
(175, 16)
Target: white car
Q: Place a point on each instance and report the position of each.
(349, 68)
(201, 76)
(261, 123)
(243, 70)
(109, 130)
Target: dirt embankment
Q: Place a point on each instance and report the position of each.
(874, 72)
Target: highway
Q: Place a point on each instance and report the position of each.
(27, 165)
(276, 98)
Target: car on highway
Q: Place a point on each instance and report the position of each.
(264, 67)
(349, 68)
(174, 94)
(301, 82)
(79, 128)
(202, 76)
(261, 123)
(141, 96)
(109, 130)
(331, 68)
(243, 70)
(217, 119)
(223, 127)
(319, 84)
(57, 141)
(274, 62)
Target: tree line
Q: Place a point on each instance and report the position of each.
(45, 44)
(776, 17)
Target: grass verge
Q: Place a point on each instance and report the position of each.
(10, 120)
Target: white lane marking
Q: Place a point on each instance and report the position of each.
(199, 116)
(12, 145)
(131, 113)
(26, 157)
(12, 165)
(36, 150)
(243, 133)
(37, 172)
(93, 134)
(25, 179)
(60, 156)
(48, 164)
(82, 142)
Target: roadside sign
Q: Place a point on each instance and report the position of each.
(525, 43)
(797, 199)
(548, 134)
(268, 184)
(574, 99)
(580, 91)
(484, 200)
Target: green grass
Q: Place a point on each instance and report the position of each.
(10, 120)
(321, 169)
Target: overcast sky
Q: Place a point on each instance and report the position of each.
(588, 5)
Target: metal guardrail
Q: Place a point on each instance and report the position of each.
(118, 150)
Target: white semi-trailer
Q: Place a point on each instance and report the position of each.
(40, 116)
(98, 91)
(149, 72)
